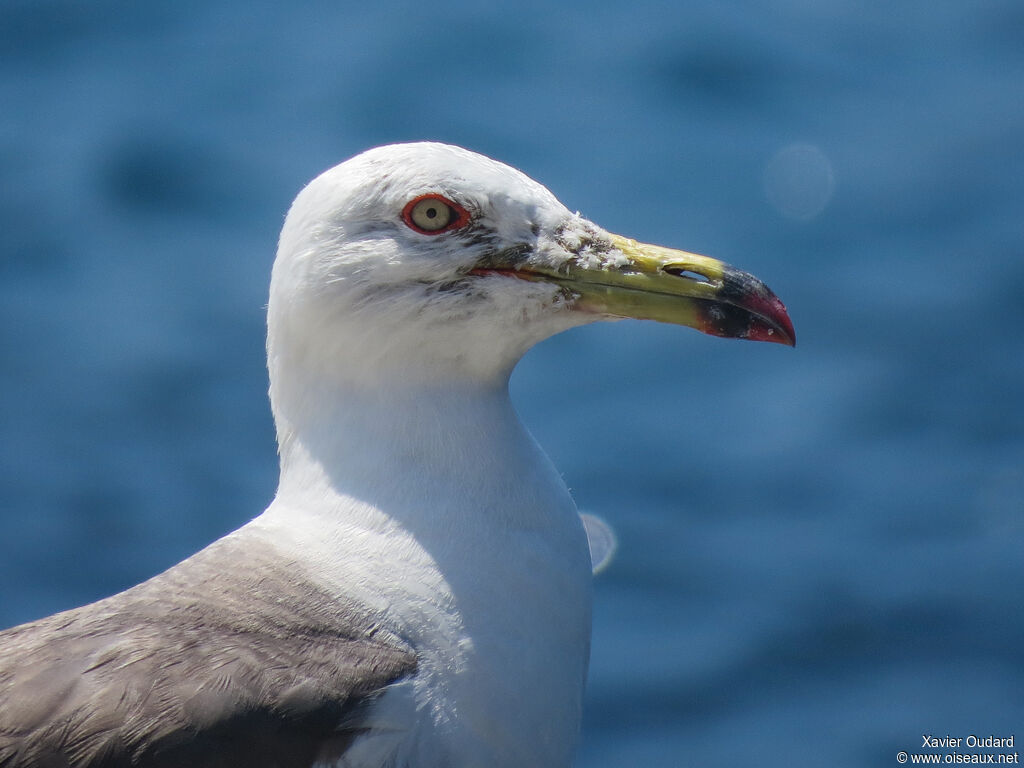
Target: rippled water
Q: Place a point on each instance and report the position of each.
(820, 549)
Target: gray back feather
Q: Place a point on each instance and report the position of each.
(230, 658)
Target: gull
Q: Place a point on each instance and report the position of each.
(418, 592)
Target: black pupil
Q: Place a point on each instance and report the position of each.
(431, 213)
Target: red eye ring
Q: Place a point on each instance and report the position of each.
(457, 216)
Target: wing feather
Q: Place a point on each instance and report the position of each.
(231, 658)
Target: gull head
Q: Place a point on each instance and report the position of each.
(430, 263)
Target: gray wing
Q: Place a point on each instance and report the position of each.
(230, 658)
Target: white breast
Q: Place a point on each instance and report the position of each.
(483, 568)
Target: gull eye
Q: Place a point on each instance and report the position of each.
(433, 214)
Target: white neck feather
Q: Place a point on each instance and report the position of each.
(433, 506)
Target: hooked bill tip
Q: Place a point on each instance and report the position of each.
(754, 317)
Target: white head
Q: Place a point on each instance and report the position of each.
(358, 292)
(427, 263)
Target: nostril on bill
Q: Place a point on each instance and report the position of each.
(685, 273)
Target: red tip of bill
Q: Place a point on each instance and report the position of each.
(745, 308)
(770, 321)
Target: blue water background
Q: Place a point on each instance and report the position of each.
(821, 549)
